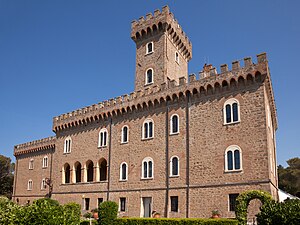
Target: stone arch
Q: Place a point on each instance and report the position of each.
(243, 201)
(258, 77)
(250, 79)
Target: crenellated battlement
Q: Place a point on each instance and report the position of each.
(162, 21)
(36, 145)
(209, 81)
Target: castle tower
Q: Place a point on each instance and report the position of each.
(162, 49)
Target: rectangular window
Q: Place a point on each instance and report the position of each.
(174, 203)
(122, 204)
(100, 200)
(31, 164)
(86, 204)
(232, 199)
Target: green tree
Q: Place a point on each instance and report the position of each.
(6, 176)
(289, 177)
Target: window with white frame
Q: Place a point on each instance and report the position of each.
(174, 166)
(124, 138)
(102, 138)
(148, 129)
(231, 111)
(233, 158)
(149, 47)
(29, 185)
(122, 205)
(174, 124)
(123, 171)
(147, 168)
(43, 184)
(149, 76)
(176, 57)
(31, 164)
(45, 162)
(68, 145)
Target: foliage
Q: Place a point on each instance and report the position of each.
(6, 176)
(71, 213)
(163, 221)
(282, 213)
(87, 215)
(87, 222)
(243, 200)
(108, 212)
(289, 178)
(42, 211)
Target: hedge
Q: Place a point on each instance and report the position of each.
(164, 221)
(243, 200)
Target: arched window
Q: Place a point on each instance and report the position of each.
(102, 138)
(123, 171)
(124, 138)
(174, 124)
(90, 171)
(174, 166)
(233, 158)
(68, 145)
(147, 168)
(29, 185)
(103, 169)
(45, 162)
(78, 172)
(43, 184)
(66, 173)
(148, 129)
(149, 76)
(231, 111)
(149, 48)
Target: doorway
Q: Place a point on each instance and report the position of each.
(146, 206)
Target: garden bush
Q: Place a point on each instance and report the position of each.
(280, 213)
(108, 212)
(163, 221)
(42, 211)
(243, 200)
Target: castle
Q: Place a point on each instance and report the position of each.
(180, 145)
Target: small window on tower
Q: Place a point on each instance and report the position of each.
(149, 76)
(177, 57)
(149, 48)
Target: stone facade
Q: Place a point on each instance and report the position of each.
(205, 180)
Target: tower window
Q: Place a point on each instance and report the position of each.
(123, 171)
(174, 166)
(31, 164)
(122, 204)
(233, 159)
(232, 201)
(124, 138)
(43, 184)
(102, 138)
(149, 76)
(148, 129)
(149, 48)
(45, 162)
(174, 124)
(147, 168)
(67, 145)
(176, 57)
(29, 185)
(174, 203)
(231, 111)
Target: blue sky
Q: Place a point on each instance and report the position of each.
(58, 56)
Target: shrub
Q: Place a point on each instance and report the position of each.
(8, 211)
(108, 212)
(71, 213)
(243, 200)
(282, 213)
(163, 221)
